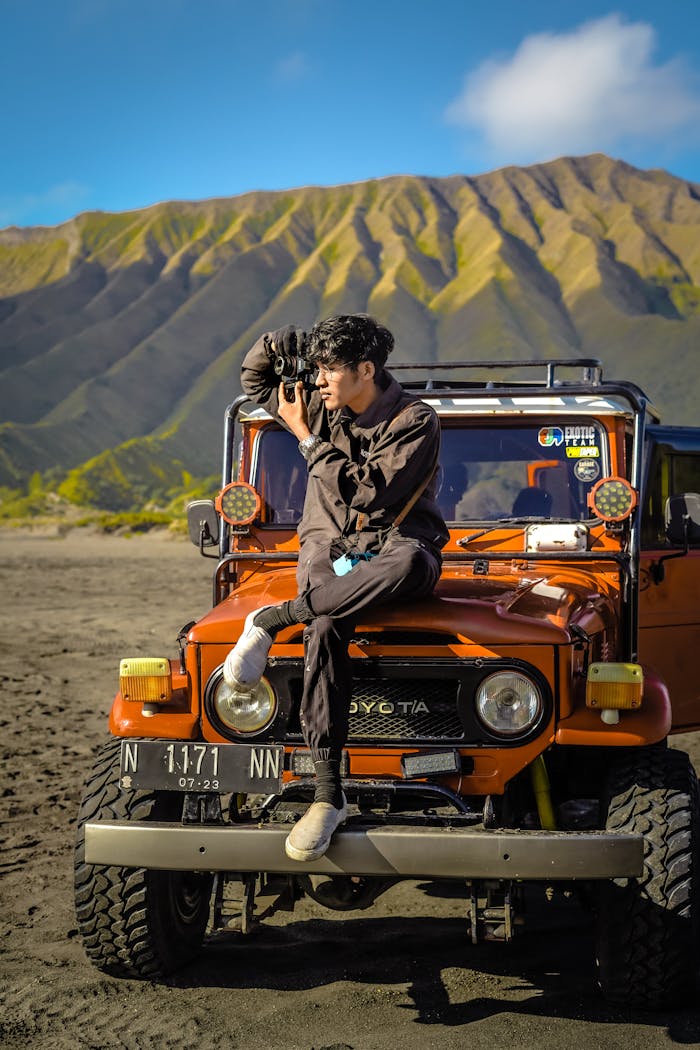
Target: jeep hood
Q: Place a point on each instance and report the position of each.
(531, 607)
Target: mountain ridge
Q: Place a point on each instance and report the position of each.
(124, 326)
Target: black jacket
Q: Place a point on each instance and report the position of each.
(368, 465)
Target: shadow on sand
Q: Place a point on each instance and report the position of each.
(546, 972)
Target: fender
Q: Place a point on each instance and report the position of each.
(177, 720)
(648, 725)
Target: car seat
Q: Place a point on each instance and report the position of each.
(532, 502)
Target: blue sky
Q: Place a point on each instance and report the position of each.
(118, 104)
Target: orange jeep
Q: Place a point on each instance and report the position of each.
(511, 729)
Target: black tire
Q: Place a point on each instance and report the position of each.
(646, 927)
(135, 922)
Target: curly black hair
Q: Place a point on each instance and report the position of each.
(348, 339)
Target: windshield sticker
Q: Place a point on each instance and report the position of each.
(580, 434)
(580, 440)
(548, 436)
(583, 452)
(587, 469)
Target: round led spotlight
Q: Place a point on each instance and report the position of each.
(238, 503)
(612, 499)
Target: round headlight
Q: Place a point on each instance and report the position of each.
(245, 711)
(508, 703)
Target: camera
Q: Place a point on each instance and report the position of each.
(294, 368)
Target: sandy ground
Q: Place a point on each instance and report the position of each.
(399, 975)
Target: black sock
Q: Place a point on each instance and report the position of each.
(328, 787)
(302, 610)
(275, 618)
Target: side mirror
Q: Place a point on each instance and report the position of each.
(682, 517)
(203, 523)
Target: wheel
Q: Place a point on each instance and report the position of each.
(646, 927)
(135, 922)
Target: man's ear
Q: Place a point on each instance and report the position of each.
(368, 369)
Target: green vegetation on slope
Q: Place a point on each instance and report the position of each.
(121, 336)
(135, 487)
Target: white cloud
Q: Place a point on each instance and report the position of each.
(577, 92)
(57, 201)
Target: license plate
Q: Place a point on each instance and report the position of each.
(176, 766)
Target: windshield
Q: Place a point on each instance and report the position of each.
(520, 470)
(505, 469)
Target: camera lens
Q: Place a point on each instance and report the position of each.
(285, 365)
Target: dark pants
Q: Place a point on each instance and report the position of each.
(404, 568)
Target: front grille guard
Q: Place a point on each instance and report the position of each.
(383, 793)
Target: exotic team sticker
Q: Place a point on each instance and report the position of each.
(587, 469)
(579, 439)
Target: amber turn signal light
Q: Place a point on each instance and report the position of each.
(613, 686)
(146, 679)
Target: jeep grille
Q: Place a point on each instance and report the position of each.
(425, 709)
(409, 700)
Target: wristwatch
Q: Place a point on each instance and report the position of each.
(308, 444)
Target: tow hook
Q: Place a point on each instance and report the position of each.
(491, 911)
(237, 896)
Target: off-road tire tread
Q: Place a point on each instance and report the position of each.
(112, 903)
(647, 927)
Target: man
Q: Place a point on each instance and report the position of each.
(370, 532)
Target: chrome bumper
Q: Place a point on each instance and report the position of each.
(441, 853)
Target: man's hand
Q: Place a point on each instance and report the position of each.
(294, 413)
(288, 341)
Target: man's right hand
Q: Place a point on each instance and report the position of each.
(295, 413)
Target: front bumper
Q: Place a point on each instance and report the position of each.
(387, 851)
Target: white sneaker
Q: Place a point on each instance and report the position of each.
(311, 836)
(244, 665)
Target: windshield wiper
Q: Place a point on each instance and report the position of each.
(534, 519)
